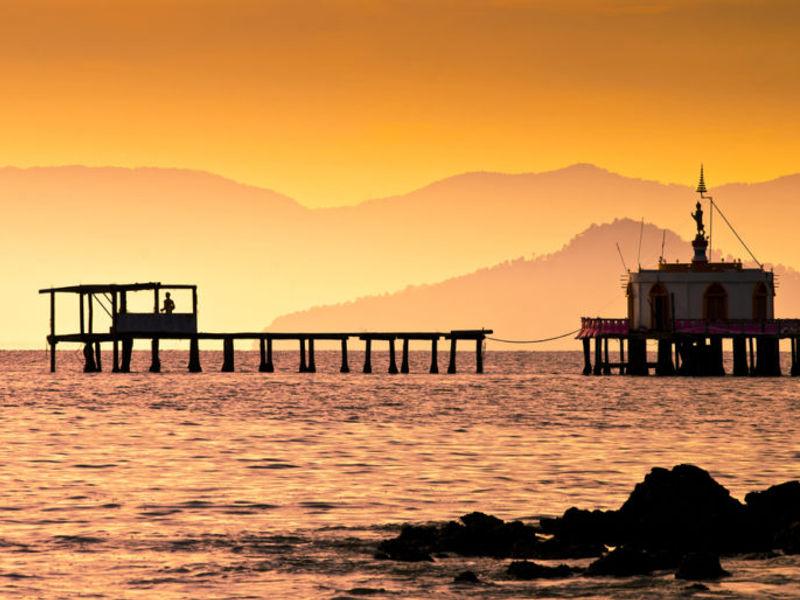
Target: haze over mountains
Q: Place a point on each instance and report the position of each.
(527, 298)
(257, 254)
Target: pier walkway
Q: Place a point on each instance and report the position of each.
(160, 325)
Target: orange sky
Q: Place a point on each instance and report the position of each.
(336, 101)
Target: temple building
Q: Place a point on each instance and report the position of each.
(689, 308)
(700, 289)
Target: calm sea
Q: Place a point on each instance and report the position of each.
(249, 485)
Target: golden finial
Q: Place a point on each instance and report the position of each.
(701, 185)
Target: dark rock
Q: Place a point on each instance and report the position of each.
(528, 571)
(476, 535)
(557, 549)
(700, 566)
(684, 510)
(775, 509)
(627, 561)
(466, 577)
(581, 527)
(788, 539)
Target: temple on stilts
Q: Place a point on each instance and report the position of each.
(163, 323)
(690, 311)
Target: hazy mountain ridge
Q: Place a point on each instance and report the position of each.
(526, 298)
(257, 254)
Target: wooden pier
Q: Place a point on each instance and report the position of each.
(160, 325)
(692, 347)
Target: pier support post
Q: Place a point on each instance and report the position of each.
(194, 356)
(664, 365)
(227, 355)
(88, 358)
(155, 360)
(303, 365)
(368, 356)
(716, 366)
(434, 356)
(587, 356)
(53, 331)
(621, 356)
(752, 356)
(795, 358)
(262, 355)
(392, 359)
(479, 355)
(115, 355)
(451, 368)
(312, 363)
(740, 356)
(98, 357)
(637, 356)
(769, 356)
(345, 368)
(607, 360)
(127, 353)
(598, 357)
(404, 362)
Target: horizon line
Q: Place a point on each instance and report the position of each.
(388, 196)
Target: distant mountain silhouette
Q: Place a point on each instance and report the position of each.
(526, 299)
(257, 254)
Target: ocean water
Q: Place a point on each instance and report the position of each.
(250, 485)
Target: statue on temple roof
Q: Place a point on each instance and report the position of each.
(697, 215)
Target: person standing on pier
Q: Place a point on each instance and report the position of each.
(169, 305)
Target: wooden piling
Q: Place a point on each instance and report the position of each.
(598, 356)
(740, 368)
(434, 356)
(88, 357)
(227, 355)
(607, 360)
(312, 363)
(345, 368)
(717, 365)
(80, 313)
(451, 368)
(752, 356)
(795, 371)
(637, 356)
(664, 365)
(127, 353)
(368, 356)
(115, 339)
(262, 355)
(404, 362)
(194, 356)
(98, 357)
(155, 360)
(392, 359)
(303, 365)
(587, 356)
(621, 356)
(479, 355)
(52, 332)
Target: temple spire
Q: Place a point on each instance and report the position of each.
(701, 185)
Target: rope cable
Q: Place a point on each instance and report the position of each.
(738, 237)
(539, 341)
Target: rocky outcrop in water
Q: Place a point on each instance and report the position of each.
(676, 519)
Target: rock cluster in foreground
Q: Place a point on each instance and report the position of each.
(679, 519)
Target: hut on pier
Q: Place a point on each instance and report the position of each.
(689, 309)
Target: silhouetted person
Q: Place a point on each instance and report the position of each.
(169, 305)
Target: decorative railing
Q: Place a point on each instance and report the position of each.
(598, 326)
(594, 327)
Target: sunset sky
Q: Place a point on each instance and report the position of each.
(333, 102)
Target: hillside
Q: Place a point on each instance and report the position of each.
(525, 299)
(257, 254)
